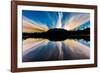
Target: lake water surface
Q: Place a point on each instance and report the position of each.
(45, 50)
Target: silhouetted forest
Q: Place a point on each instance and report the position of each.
(58, 34)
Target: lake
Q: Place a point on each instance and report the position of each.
(45, 50)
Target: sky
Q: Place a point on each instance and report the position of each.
(66, 20)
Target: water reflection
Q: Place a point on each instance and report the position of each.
(45, 50)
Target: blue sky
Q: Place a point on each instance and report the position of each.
(50, 18)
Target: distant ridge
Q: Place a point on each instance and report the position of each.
(58, 34)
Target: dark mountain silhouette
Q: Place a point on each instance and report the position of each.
(58, 34)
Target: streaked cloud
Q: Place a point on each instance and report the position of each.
(76, 20)
(29, 26)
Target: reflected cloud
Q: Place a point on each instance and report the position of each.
(59, 47)
(31, 44)
(44, 50)
(77, 49)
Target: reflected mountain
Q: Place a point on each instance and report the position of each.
(58, 34)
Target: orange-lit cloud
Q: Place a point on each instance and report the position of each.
(28, 26)
(76, 20)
